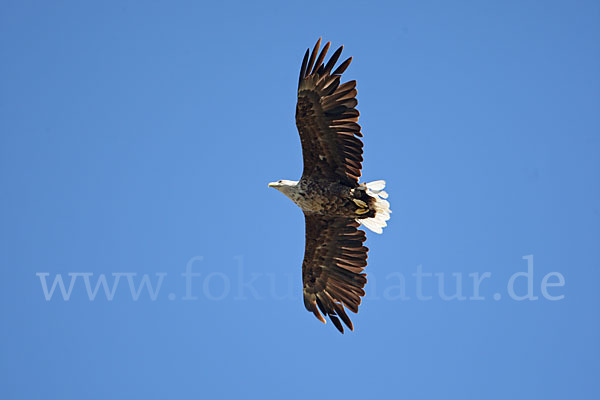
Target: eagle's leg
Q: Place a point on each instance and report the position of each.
(363, 208)
(363, 203)
(360, 203)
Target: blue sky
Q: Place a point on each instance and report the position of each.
(137, 139)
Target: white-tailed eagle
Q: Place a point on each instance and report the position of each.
(333, 201)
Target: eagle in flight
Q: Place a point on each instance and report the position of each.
(334, 203)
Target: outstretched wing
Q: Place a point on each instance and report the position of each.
(326, 117)
(332, 270)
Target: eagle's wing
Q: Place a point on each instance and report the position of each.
(326, 118)
(332, 270)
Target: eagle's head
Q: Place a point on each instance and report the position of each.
(284, 186)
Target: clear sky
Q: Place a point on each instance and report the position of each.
(136, 143)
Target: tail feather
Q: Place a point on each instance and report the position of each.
(382, 207)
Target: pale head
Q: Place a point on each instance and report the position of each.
(284, 186)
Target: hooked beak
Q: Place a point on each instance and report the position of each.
(273, 184)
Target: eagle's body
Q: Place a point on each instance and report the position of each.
(333, 201)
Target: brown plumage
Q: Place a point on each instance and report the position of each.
(333, 201)
(326, 119)
(332, 270)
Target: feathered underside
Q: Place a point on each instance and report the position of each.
(327, 119)
(332, 270)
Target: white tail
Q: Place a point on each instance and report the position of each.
(382, 207)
